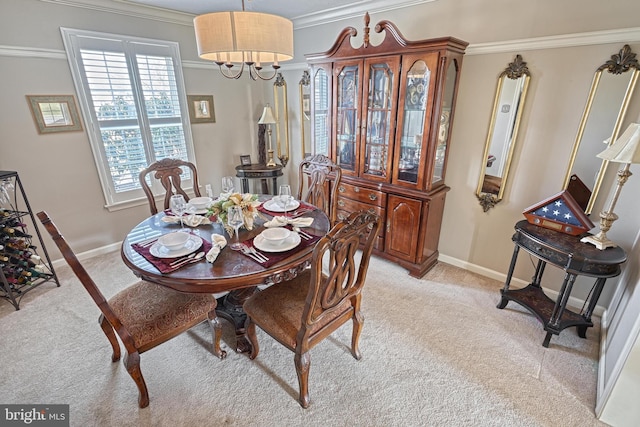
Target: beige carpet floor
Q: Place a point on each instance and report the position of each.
(435, 352)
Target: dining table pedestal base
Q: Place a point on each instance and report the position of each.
(230, 309)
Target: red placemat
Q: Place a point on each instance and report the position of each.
(164, 264)
(275, 257)
(301, 210)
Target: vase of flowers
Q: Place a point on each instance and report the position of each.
(248, 202)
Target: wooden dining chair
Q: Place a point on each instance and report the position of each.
(319, 179)
(144, 315)
(168, 171)
(302, 312)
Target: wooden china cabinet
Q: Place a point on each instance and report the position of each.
(383, 114)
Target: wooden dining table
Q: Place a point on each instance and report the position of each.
(232, 272)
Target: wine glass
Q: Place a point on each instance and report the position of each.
(178, 206)
(235, 218)
(284, 197)
(227, 184)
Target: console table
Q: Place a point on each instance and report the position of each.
(262, 172)
(575, 258)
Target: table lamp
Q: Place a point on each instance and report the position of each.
(268, 119)
(626, 149)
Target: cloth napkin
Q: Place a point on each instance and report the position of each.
(281, 221)
(218, 242)
(189, 220)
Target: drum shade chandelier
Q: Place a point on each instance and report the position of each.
(245, 40)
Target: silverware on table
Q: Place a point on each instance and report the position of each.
(197, 257)
(147, 242)
(299, 212)
(253, 253)
(302, 234)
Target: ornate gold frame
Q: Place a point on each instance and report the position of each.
(515, 70)
(620, 63)
(282, 118)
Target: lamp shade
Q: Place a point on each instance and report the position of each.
(244, 37)
(267, 116)
(626, 149)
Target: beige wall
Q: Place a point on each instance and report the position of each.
(60, 175)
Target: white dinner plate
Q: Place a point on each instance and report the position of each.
(272, 206)
(161, 251)
(192, 209)
(289, 243)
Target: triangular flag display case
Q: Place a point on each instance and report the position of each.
(559, 212)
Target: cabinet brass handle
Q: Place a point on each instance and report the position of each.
(341, 189)
(371, 210)
(341, 217)
(373, 196)
(356, 189)
(341, 203)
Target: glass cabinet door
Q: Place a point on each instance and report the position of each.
(347, 123)
(448, 97)
(321, 110)
(379, 116)
(416, 94)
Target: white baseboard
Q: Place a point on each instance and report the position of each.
(492, 274)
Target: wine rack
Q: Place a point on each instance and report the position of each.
(24, 261)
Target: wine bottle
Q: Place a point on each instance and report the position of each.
(15, 232)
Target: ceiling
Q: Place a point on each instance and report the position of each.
(286, 8)
(301, 12)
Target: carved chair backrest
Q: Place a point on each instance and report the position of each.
(319, 179)
(344, 275)
(168, 171)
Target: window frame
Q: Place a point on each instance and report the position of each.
(73, 40)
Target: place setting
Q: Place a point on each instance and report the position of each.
(187, 213)
(274, 244)
(284, 203)
(176, 249)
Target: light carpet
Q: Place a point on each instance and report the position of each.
(435, 352)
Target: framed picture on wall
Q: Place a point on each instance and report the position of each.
(245, 160)
(201, 108)
(55, 113)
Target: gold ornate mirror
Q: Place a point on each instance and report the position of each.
(282, 119)
(611, 90)
(305, 113)
(503, 132)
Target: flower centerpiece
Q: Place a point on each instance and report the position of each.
(248, 202)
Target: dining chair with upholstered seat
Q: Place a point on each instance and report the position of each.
(319, 179)
(144, 315)
(168, 171)
(302, 312)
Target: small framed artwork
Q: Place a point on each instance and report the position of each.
(245, 160)
(201, 108)
(54, 113)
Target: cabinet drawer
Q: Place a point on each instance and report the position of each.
(348, 205)
(360, 194)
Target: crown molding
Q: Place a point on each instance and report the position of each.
(354, 10)
(136, 10)
(622, 35)
(121, 7)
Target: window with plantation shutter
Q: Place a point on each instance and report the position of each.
(132, 96)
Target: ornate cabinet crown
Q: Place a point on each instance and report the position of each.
(383, 113)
